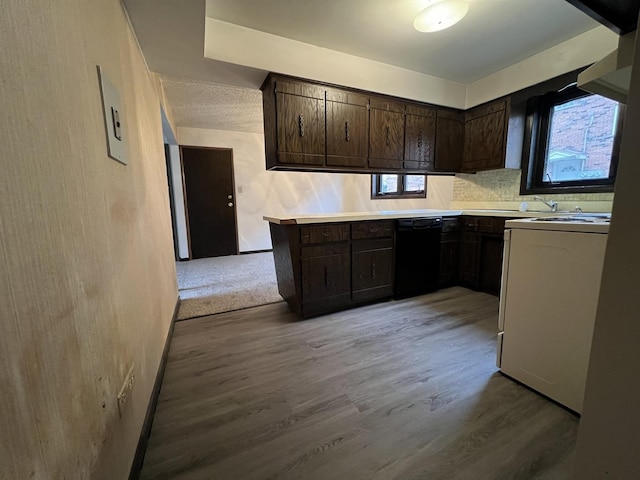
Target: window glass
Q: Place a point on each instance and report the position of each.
(580, 141)
(398, 186)
(572, 142)
(388, 184)
(414, 183)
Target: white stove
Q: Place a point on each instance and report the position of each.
(548, 300)
(586, 223)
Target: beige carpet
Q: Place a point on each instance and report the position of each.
(222, 284)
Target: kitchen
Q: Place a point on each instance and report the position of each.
(301, 193)
(133, 322)
(505, 180)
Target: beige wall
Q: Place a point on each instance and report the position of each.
(501, 189)
(87, 277)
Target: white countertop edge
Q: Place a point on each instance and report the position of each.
(559, 226)
(396, 214)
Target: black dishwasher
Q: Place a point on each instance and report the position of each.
(417, 255)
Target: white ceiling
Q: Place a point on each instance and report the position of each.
(493, 35)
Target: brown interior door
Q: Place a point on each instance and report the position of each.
(210, 201)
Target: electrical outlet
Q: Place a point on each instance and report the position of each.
(125, 391)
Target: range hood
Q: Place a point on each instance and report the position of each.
(611, 76)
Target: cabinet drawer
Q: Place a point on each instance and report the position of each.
(324, 250)
(372, 244)
(450, 225)
(490, 225)
(324, 233)
(361, 230)
(493, 225)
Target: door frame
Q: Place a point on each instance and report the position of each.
(186, 201)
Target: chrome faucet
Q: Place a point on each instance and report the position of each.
(551, 204)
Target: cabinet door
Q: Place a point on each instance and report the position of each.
(300, 124)
(469, 243)
(449, 259)
(347, 129)
(449, 141)
(449, 252)
(372, 269)
(485, 137)
(490, 274)
(326, 276)
(420, 137)
(386, 134)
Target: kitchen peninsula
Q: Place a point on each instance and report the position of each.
(330, 262)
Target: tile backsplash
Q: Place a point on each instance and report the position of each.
(503, 187)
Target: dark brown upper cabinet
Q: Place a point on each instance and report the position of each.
(297, 134)
(485, 136)
(386, 134)
(347, 129)
(449, 140)
(419, 138)
(310, 126)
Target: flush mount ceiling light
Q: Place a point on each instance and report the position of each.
(440, 15)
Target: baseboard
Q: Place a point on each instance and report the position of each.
(141, 449)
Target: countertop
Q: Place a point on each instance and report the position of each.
(587, 223)
(395, 214)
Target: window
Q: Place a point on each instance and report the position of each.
(572, 141)
(398, 186)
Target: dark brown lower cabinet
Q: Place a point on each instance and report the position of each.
(481, 246)
(469, 242)
(326, 282)
(449, 253)
(490, 274)
(327, 267)
(372, 269)
(333, 266)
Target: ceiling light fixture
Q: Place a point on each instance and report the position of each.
(441, 15)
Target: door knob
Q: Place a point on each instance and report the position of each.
(230, 204)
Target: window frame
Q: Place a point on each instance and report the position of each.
(535, 147)
(377, 195)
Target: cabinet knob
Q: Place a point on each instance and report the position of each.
(230, 204)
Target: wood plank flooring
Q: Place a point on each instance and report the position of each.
(398, 390)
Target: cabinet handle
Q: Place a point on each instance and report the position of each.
(373, 229)
(301, 125)
(325, 234)
(346, 131)
(387, 135)
(373, 269)
(326, 277)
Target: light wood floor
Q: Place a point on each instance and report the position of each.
(398, 390)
